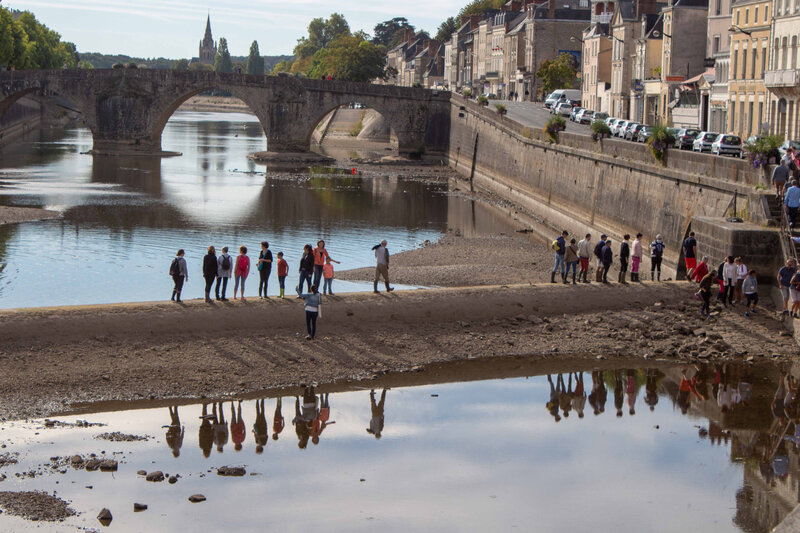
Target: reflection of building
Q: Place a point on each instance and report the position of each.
(208, 48)
(783, 77)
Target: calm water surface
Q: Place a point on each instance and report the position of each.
(471, 456)
(123, 218)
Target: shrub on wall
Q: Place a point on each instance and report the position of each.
(764, 148)
(483, 100)
(501, 109)
(466, 93)
(554, 126)
(600, 130)
(660, 139)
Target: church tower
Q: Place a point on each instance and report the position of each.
(208, 48)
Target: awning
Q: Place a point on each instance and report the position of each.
(709, 74)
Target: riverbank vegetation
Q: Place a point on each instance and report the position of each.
(26, 43)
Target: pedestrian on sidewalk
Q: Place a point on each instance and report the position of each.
(608, 259)
(741, 273)
(690, 255)
(636, 257)
(210, 270)
(180, 275)
(571, 259)
(701, 270)
(584, 253)
(730, 273)
(785, 275)
(312, 308)
(241, 271)
(264, 269)
(624, 254)
(381, 266)
(780, 175)
(283, 271)
(224, 273)
(560, 247)
(306, 269)
(705, 291)
(656, 255)
(598, 253)
(792, 202)
(750, 289)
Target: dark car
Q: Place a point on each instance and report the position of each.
(684, 138)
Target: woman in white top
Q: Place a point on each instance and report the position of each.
(741, 273)
(730, 273)
(636, 257)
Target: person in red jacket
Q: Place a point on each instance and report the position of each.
(700, 270)
(283, 271)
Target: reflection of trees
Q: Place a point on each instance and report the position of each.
(149, 215)
(7, 232)
(142, 174)
(38, 147)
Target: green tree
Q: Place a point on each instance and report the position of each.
(321, 33)
(6, 37)
(255, 63)
(283, 66)
(194, 67)
(180, 64)
(384, 31)
(558, 73)
(446, 29)
(351, 59)
(478, 7)
(86, 65)
(222, 62)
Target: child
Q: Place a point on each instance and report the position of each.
(327, 273)
(283, 271)
(750, 290)
(241, 271)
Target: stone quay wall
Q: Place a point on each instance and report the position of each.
(613, 187)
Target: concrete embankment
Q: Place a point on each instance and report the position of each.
(616, 187)
(23, 116)
(345, 124)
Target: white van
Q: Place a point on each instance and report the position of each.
(560, 95)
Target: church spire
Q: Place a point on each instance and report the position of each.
(208, 28)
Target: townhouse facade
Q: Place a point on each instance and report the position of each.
(782, 79)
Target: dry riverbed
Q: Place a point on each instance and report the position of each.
(13, 215)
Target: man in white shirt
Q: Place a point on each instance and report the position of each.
(382, 266)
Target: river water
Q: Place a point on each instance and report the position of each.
(124, 218)
(630, 451)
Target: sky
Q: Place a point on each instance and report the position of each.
(173, 28)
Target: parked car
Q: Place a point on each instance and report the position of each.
(563, 109)
(600, 116)
(585, 117)
(684, 137)
(727, 145)
(575, 111)
(560, 95)
(618, 128)
(786, 144)
(704, 140)
(632, 131)
(610, 121)
(645, 132)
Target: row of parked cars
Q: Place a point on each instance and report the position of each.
(685, 138)
(629, 129)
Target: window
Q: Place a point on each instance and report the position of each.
(749, 119)
(763, 58)
(760, 115)
(755, 14)
(737, 16)
(718, 7)
(734, 64)
(753, 64)
(794, 53)
(766, 13)
(746, 16)
(733, 115)
(744, 64)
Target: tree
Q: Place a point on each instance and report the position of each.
(384, 31)
(478, 7)
(86, 65)
(321, 33)
(283, 66)
(445, 31)
(558, 73)
(222, 62)
(351, 59)
(196, 67)
(255, 63)
(180, 64)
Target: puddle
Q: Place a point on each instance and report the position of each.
(640, 449)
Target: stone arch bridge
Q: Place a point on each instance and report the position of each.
(127, 109)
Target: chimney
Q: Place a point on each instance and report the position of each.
(433, 47)
(551, 9)
(408, 35)
(646, 7)
(516, 5)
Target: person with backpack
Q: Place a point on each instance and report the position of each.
(241, 271)
(656, 255)
(624, 254)
(180, 275)
(560, 247)
(584, 254)
(608, 259)
(598, 253)
(636, 257)
(224, 273)
(210, 270)
(264, 269)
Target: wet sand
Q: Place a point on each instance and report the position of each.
(53, 358)
(14, 215)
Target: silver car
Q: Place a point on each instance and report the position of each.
(703, 141)
(618, 128)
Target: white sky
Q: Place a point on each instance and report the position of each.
(173, 28)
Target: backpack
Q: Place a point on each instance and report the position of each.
(556, 246)
(226, 262)
(173, 267)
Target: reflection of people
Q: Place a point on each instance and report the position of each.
(175, 432)
(260, 427)
(599, 394)
(376, 422)
(304, 419)
(220, 426)
(277, 421)
(684, 390)
(237, 427)
(619, 392)
(630, 392)
(651, 388)
(206, 437)
(321, 422)
(552, 405)
(579, 396)
(565, 398)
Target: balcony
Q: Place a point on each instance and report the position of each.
(781, 78)
(602, 18)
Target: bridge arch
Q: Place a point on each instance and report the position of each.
(355, 104)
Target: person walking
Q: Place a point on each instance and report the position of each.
(706, 283)
(327, 275)
(690, 255)
(312, 307)
(283, 271)
(729, 275)
(381, 266)
(741, 273)
(210, 270)
(306, 270)
(560, 247)
(224, 273)
(780, 175)
(750, 290)
(624, 254)
(656, 255)
(598, 253)
(785, 275)
(700, 270)
(794, 292)
(264, 269)
(321, 256)
(180, 275)
(571, 259)
(636, 257)
(792, 202)
(241, 271)
(608, 259)
(584, 254)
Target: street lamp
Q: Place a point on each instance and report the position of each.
(614, 37)
(576, 39)
(656, 33)
(737, 29)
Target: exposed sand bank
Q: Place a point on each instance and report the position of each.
(13, 215)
